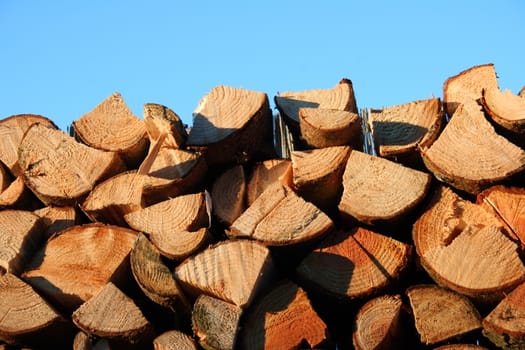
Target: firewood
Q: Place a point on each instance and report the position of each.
(111, 126)
(318, 173)
(461, 347)
(379, 325)
(467, 86)
(160, 119)
(5, 177)
(75, 265)
(400, 129)
(265, 173)
(12, 130)
(354, 263)
(18, 196)
(174, 340)
(20, 237)
(283, 319)
(341, 97)
(57, 219)
(504, 325)
(469, 155)
(215, 322)
(441, 314)
(321, 127)
(505, 108)
(60, 170)
(378, 190)
(156, 280)
(297, 220)
(231, 125)
(229, 195)
(522, 92)
(111, 314)
(233, 271)
(82, 342)
(29, 320)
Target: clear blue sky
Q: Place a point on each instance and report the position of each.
(61, 58)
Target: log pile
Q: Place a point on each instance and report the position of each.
(138, 233)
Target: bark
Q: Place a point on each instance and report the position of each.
(174, 340)
(113, 315)
(321, 127)
(232, 125)
(112, 127)
(75, 265)
(160, 119)
(233, 271)
(362, 263)
(229, 195)
(279, 207)
(468, 153)
(378, 190)
(441, 314)
(215, 323)
(467, 86)
(60, 170)
(264, 174)
(283, 319)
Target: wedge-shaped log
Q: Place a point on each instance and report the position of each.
(215, 322)
(379, 324)
(112, 127)
(60, 170)
(283, 319)
(469, 155)
(57, 219)
(160, 119)
(28, 320)
(441, 314)
(279, 217)
(505, 108)
(231, 125)
(378, 190)
(354, 263)
(75, 265)
(233, 271)
(318, 173)
(467, 86)
(21, 235)
(322, 127)
(113, 315)
(18, 196)
(228, 195)
(504, 325)
(264, 174)
(156, 280)
(399, 130)
(12, 131)
(174, 340)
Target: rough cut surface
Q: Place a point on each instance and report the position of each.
(505, 108)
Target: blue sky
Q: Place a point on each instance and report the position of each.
(61, 58)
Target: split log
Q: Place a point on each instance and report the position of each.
(29, 320)
(264, 174)
(232, 125)
(112, 127)
(378, 324)
(399, 130)
(505, 108)
(18, 196)
(12, 131)
(341, 97)
(283, 319)
(467, 86)
(504, 325)
(174, 340)
(378, 190)
(5, 177)
(111, 314)
(469, 155)
(75, 265)
(297, 220)
(57, 219)
(321, 127)
(156, 280)
(160, 119)
(82, 342)
(234, 271)
(354, 263)
(461, 347)
(21, 235)
(60, 170)
(215, 322)
(441, 314)
(182, 229)
(228, 195)
(318, 173)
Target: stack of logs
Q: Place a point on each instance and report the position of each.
(140, 233)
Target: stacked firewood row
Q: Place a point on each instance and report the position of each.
(142, 233)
